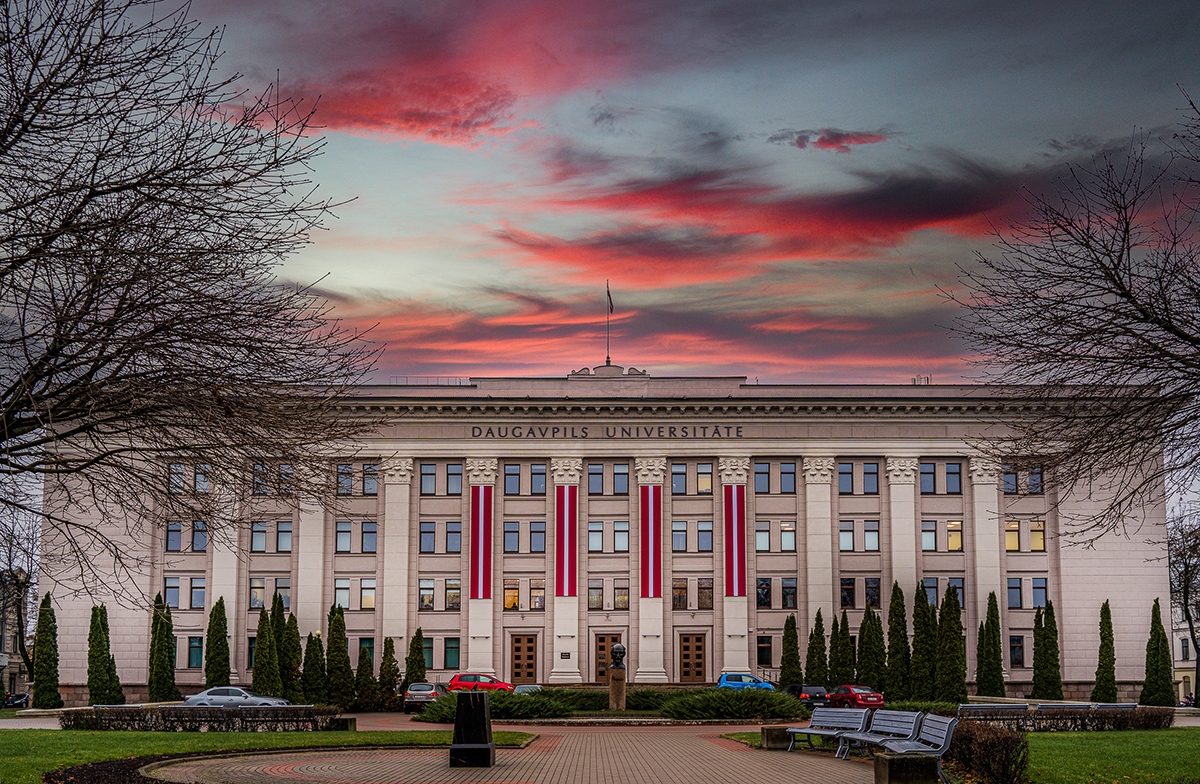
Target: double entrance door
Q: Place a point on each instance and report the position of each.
(603, 658)
(523, 658)
(692, 652)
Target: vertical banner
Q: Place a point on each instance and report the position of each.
(566, 544)
(481, 541)
(735, 540)
(650, 513)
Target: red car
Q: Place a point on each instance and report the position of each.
(855, 697)
(467, 681)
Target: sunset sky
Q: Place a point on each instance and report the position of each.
(774, 189)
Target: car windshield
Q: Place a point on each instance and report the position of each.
(861, 690)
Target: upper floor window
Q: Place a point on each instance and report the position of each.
(1010, 480)
(283, 587)
(595, 594)
(957, 584)
(621, 479)
(454, 479)
(678, 479)
(1039, 591)
(424, 594)
(679, 593)
(704, 593)
(512, 479)
(595, 479)
(787, 536)
(170, 592)
(621, 593)
(283, 536)
(929, 535)
(199, 537)
(787, 477)
(762, 478)
(762, 593)
(704, 536)
(679, 536)
(847, 585)
(341, 592)
(512, 536)
(287, 479)
(931, 594)
(345, 478)
(258, 536)
(512, 595)
(846, 536)
(370, 536)
(197, 596)
(428, 479)
(537, 537)
(453, 593)
(537, 594)
(762, 536)
(1035, 481)
(454, 537)
(366, 593)
(871, 592)
(928, 478)
(788, 594)
(370, 479)
(428, 531)
(537, 479)
(871, 536)
(258, 592)
(174, 537)
(261, 479)
(845, 478)
(1012, 536)
(954, 478)
(595, 536)
(342, 542)
(871, 478)
(1014, 593)
(620, 536)
(201, 477)
(954, 536)
(1037, 536)
(177, 477)
(704, 478)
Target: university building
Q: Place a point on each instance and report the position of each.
(528, 524)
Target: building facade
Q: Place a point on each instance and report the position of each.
(525, 525)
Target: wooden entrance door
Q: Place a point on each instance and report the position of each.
(524, 658)
(691, 658)
(604, 644)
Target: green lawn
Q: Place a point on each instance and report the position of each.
(1122, 757)
(26, 754)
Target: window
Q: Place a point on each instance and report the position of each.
(341, 592)
(787, 477)
(197, 597)
(366, 644)
(424, 594)
(678, 479)
(512, 594)
(621, 594)
(451, 653)
(258, 592)
(679, 536)
(1037, 536)
(845, 478)
(428, 479)
(283, 587)
(537, 537)
(762, 593)
(454, 483)
(1016, 651)
(621, 479)
(1014, 593)
(427, 652)
(195, 652)
(957, 584)
(762, 536)
(537, 481)
(261, 479)
(704, 539)
(621, 536)
(512, 537)
(283, 537)
(343, 536)
(202, 478)
(764, 651)
(287, 483)
(788, 593)
(928, 478)
(258, 536)
(370, 536)
(454, 593)
(871, 536)
(177, 476)
(199, 537)
(846, 536)
(954, 539)
(787, 536)
(512, 480)
(174, 537)
(762, 478)
(679, 586)
(537, 594)
(848, 593)
(704, 593)
(871, 592)
(931, 594)
(954, 478)
(1185, 653)
(366, 594)
(170, 593)
(595, 594)
(1012, 536)
(428, 535)
(1010, 480)
(250, 652)
(871, 478)
(928, 535)
(370, 479)
(345, 479)
(704, 479)
(454, 537)
(1035, 481)
(595, 479)
(595, 536)
(1039, 591)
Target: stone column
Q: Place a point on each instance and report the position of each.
(989, 533)
(735, 606)
(565, 473)
(651, 665)
(902, 488)
(309, 597)
(397, 529)
(818, 531)
(481, 612)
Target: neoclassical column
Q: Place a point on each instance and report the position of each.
(651, 664)
(565, 473)
(735, 609)
(481, 613)
(902, 489)
(396, 579)
(989, 533)
(309, 598)
(818, 530)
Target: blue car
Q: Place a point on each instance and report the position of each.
(734, 680)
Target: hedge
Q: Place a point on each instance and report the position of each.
(1140, 718)
(998, 755)
(735, 704)
(504, 705)
(175, 718)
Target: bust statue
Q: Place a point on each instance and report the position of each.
(618, 657)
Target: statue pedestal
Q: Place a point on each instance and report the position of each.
(473, 746)
(616, 690)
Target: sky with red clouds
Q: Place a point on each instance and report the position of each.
(772, 189)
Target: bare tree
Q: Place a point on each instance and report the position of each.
(1183, 552)
(1091, 312)
(19, 559)
(145, 203)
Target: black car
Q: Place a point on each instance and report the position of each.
(16, 700)
(811, 696)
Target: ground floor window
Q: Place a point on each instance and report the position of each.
(764, 651)
(195, 651)
(1016, 651)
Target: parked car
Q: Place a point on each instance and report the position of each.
(811, 696)
(232, 697)
(421, 694)
(855, 697)
(474, 680)
(528, 688)
(16, 700)
(739, 680)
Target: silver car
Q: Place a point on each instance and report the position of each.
(232, 697)
(421, 694)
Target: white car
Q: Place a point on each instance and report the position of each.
(232, 697)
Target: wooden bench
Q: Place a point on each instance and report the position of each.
(1116, 706)
(934, 739)
(830, 723)
(885, 725)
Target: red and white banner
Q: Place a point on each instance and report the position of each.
(650, 514)
(481, 541)
(735, 540)
(566, 545)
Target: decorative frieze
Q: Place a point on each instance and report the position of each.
(566, 470)
(734, 470)
(902, 470)
(481, 471)
(397, 471)
(818, 470)
(650, 470)
(984, 471)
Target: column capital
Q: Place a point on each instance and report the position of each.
(482, 470)
(734, 470)
(818, 470)
(566, 470)
(984, 471)
(902, 470)
(397, 471)
(650, 470)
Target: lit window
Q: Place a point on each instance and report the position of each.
(931, 594)
(762, 593)
(704, 536)
(366, 594)
(370, 479)
(621, 479)
(1039, 591)
(343, 536)
(928, 478)
(512, 537)
(451, 653)
(428, 535)
(1014, 593)
(283, 587)
(512, 480)
(621, 594)
(537, 594)
(957, 584)
(454, 593)
(871, 591)
(762, 536)
(595, 479)
(370, 536)
(847, 584)
(537, 479)
(595, 594)
(929, 535)
(454, 537)
(787, 477)
(258, 592)
(258, 536)
(283, 537)
(195, 652)
(679, 592)
(762, 478)
(679, 536)
(170, 592)
(595, 536)
(537, 537)
(845, 478)
(199, 537)
(871, 478)
(512, 595)
(678, 479)
(345, 479)
(425, 594)
(428, 479)
(454, 479)
(341, 592)
(954, 538)
(621, 536)
(954, 478)
(871, 536)
(174, 537)
(787, 536)
(1037, 536)
(704, 593)
(704, 479)
(1012, 536)
(788, 594)
(197, 597)
(846, 536)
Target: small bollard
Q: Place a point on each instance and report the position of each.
(472, 746)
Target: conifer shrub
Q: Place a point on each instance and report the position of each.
(871, 664)
(989, 658)
(103, 686)
(313, 681)
(414, 663)
(789, 658)
(290, 657)
(1047, 670)
(952, 661)
(366, 689)
(899, 656)
(339, 676)
(390, 697)
(646, 699)
(161, 671)
(1106, 663)
(266, 667)
(45, 659)
(816, 666)
(923, 649)
(216, 647)
(1159, 687)
(841, 666)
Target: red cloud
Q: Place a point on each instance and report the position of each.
(828, 138)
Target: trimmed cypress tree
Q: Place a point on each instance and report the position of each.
(366, 689)
(99, 657)
(871, 669)
(845, 655)
(923, 649)
(278, 627)
(266, 665)
(836, 669)
(899, 657)
(389, 678)
(45, 658)
(337, 662)
(1037, 692)
(216, 647)
(414, 664)
(116, 694)
(952, 656)
(789, 657)
(161, 672)
(313, 679)
(1159, 689)
(1053, 665)
(989, 655)
(289, 662)
(816, 666)
(1106, 665)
